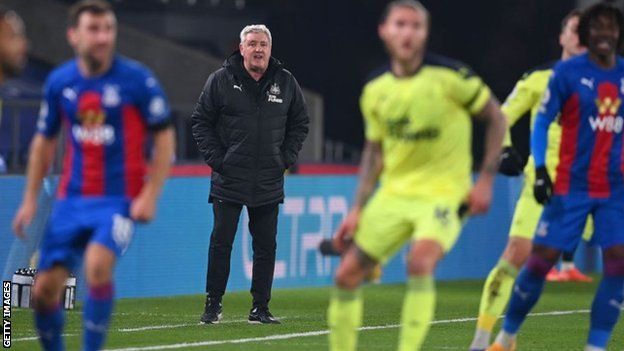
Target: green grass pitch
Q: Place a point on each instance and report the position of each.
(559, 323)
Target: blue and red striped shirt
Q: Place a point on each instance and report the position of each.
(587, 100)
(106, 119)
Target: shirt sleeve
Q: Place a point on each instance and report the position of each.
(373, 126)
(552, 101)
(469, 91)
(49, 121)
(152, 102)
(520, 101)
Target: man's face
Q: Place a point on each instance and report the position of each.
(93, 38)
(569, 39)
(13, 45)
(256, 51)
(604, 34)
(404, 33)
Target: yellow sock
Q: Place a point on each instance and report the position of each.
(417, 313)
(496, 294)
(345, 318)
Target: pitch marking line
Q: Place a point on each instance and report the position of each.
(171, 326)
(148, 327)
(316, 333)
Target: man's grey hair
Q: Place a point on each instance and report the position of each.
(255, 28)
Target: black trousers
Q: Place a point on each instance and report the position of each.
(263, 229)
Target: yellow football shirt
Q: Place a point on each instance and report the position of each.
(527, 97)
(423, 124)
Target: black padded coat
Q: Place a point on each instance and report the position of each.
(249, 132)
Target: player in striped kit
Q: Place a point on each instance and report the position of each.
(107, 104)
(585, 95)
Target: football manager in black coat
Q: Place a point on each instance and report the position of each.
(249, 124)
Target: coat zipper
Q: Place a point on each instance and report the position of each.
(255, 182)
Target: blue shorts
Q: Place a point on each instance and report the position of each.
(563, 220)
(77, 222)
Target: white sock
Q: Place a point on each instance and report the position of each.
(567, 266)
(481, 339)
(505, 339)
(593, 348)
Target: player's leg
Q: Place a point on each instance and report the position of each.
(438, 225)
(49, 316)
(608, 300)
(559, 229)
(60, 253)
(500, 280)
(606, 308)
(526, 293)
(497, 289)
(420, 298)
(499, 283)
(567, 261)
(98, 307)
(382, 230)
(346, 304)
(569, 271)
(226, 216)
(112, 234)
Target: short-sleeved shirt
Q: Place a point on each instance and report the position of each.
(423, 124)
(106, 118)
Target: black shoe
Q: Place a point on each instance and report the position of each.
(213, 312)
(261, 315)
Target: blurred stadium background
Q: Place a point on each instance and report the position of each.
(330, 46)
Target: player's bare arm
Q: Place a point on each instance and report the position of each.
(370, 169)
(39, 161)
(144, 206)
(480, 196)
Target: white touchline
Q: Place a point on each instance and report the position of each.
(170, 326)
(156, 327)
(315, 333)
(31, 338)
(147, 327)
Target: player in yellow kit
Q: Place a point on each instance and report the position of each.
(525, 98)
(418, 145)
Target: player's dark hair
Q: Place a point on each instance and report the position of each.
(412, 4)
(574, 13)
(592, 13)
(96, 7)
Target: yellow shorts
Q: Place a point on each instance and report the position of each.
(527, 215)
(388, 222)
